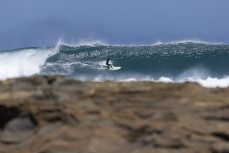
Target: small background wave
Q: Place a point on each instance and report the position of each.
(197, 61)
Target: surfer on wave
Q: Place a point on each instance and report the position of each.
(109, 65)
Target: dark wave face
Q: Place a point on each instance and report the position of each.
(168, 60)
(184, 61)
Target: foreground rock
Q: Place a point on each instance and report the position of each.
(57, 115)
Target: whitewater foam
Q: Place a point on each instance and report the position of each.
(208, 82)
(23, 62)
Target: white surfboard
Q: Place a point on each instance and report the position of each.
(113, 68)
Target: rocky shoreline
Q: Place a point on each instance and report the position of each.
(51, 114)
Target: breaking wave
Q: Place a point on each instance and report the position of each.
(188, 60)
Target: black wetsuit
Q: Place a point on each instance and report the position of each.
(107, 63)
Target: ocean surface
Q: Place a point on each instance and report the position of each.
(195, 61)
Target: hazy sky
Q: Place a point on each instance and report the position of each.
(41, 23)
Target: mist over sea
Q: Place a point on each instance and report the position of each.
(195, 61)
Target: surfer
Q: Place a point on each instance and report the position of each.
(109, 65)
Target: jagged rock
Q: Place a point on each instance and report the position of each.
(47, 114)
(7, 114)
(19, 129)
(220, 148)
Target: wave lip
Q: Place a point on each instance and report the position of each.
(83, 42)
(98, 42)
(185, 41)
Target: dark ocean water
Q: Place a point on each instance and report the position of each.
(206, 63)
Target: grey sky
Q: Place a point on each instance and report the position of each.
(42, 22)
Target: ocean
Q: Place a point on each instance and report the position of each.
(181, 61)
